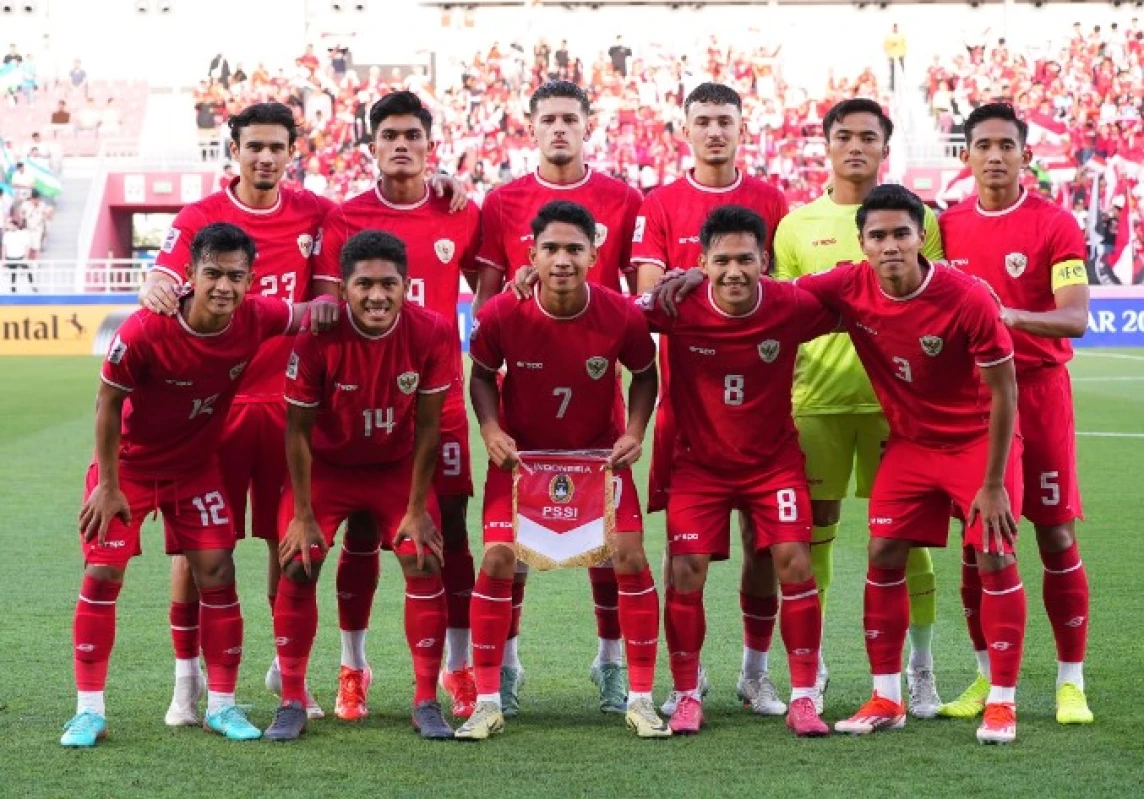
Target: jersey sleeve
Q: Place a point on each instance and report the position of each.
(126, 363)
(828, 287)
(637, 352)
(1067, 252)
(780, 209)
(932, 250)
(814, 318)
(469, 256)
(989, 340)
(656, 318)
(649, 235)
(485, 337)
(175, 253)
(306, 371)
(632, 204)
(273, 316)
(437, 372)
(786, 266)
(492, 252)
(328, 246)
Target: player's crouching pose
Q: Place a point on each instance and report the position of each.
(732, 354)
(168, 382)
(928, 335)
(362, 427)
(561, 350)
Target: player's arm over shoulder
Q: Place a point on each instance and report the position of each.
(174, 254)
(273, 316)
(485, 349)
(814, 318)
(638, 351)
(829, 287)
(980, 316)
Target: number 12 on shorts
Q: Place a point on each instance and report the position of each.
(211, 508)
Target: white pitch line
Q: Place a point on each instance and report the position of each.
(1109, 379)
(1122, 356)
(1111, 435)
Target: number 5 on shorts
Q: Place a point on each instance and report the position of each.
(1051, 488)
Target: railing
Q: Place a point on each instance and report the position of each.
(126, 152)
(105, 276)
(937, 150)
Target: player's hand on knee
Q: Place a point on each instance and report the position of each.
(419, 529)
(302, 535)
(101, 507)
(522, 283)
(999, 527)
(323, 315)
(625, 452)
(160, 296)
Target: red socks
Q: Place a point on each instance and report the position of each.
(517, 604)
(458, 578)
(184, 618)
(801, 624)
(971, 597)
(356, 583)
(295, 625)
(639, 622)
(686, 627)
(758, 620)
(886, 619)
(220, 623)
(605, 596)
(491, 614)
(93, 633)
(1066, 601)
(425, 611)
(1003, 614)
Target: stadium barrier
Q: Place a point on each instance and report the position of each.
(72, 324)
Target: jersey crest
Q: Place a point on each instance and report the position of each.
(596, 367)
(306, 244)
(931, 345)
(769, 350)
(1015, 263)
(408, 381)
(561, 489)
(445, 248)
(601, 234)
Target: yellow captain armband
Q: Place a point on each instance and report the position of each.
(1069, 273)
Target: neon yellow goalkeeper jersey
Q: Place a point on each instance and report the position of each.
(829, 378)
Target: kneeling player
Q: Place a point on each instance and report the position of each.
(928, 336)
(732, 358)
(561, 350)
(168, 382)
(362, 427)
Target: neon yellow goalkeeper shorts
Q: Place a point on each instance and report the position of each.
(838, 446)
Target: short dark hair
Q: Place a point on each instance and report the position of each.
(372, 245)
(730, 219)
(564, 211)
(857, 105)
(263, 114)
(559, 88)
(1002, 111)
(892, 197)
(400, 104)
(221, 237)
(714, 93)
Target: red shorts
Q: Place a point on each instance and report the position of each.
(497, 512)
(454, 475)
(195, 516)
(1052, 492)
(916, 486)
(700, 504)
(252, 456)
(663, 441)
(338, 492)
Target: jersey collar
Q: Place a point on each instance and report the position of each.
(584, 310)
(564, 186)
(916, 292)
(230, 195)
(366, 335)
(191, 331)
(1003, 211)
(398, 206)
(721, 312)
(690, 176)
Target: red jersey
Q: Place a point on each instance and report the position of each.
(508, 211)
(440, 247)
(365, 387)
(732, 375)
(285, 236)
(559, 387)
(182, 384)
(667, 228)
(922, 351)
(1025, 252)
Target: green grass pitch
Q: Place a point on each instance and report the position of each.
(561, 745)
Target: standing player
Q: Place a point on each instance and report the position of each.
(929, 336)
(285, 225)
(732, 354)
(560, 398)
(559, 121)
(841, 425)
(168, 382)
(441, 247)
(667, 236)
(362, 430)
(1032, 253)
